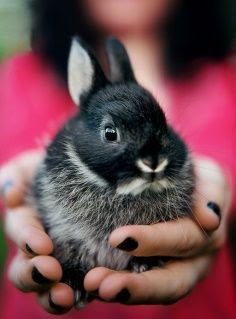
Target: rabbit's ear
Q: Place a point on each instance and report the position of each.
(85, 75)
(119, 62)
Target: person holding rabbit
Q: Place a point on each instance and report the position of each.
(200, 105)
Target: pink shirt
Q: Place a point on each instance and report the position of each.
(33, 105)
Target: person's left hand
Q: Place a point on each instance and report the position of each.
(194, 241)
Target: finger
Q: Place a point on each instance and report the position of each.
(157, 286)
(34, 274)
(212, 194)
(16, 176)
(59, 300)
(94, 278)
(24, 228)
(181, 238)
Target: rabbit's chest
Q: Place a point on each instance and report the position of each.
(81, 236)
(86, 251)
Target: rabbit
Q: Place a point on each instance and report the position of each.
(116, 162)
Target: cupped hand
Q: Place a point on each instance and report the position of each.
(193, 241)
(33, 269)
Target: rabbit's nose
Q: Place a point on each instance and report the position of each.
(150, 162)
(151, 165)
(147, 164)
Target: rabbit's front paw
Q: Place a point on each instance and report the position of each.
(138, 268)
(81, 299)
(138, 265)
(141, 264)
(74, 277)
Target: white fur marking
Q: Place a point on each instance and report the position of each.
(83, 168)
(80, 71)
(138, 185)
(134, 187)
(146, 169)
(161, 166)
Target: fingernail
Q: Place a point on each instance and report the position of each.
(39, 278)
(123, 296)
(6, 187)
(30, 250)
(216, 209)
(128, 244)
(53, 305)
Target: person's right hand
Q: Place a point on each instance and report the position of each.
(33, 269)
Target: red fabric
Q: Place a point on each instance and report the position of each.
(33, 105)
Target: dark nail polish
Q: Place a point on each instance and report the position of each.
(39, 278)
(123, 296)
(128, 244)
(6, 187)
(28, 248)
(216, 209)
(53, 305)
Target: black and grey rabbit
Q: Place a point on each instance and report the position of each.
(116, 162)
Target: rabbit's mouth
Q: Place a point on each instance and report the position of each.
(151, 178)
(138, 185)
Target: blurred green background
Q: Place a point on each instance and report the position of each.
(14, 27)
(14, 38)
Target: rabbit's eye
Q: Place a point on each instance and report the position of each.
(110, 134)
